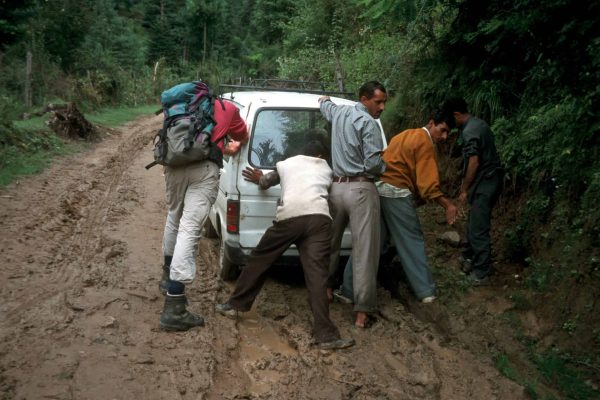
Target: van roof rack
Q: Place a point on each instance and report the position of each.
(288, 85)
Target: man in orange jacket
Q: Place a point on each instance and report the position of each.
(411, 172)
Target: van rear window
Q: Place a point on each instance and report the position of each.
(282, 133)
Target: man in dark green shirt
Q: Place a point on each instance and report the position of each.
(481, 186)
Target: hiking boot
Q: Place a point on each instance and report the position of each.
(336, 344)
(337, 294)
(226, 309)
(466, 264)
(476, 281)
(175, 317)
(163, 285)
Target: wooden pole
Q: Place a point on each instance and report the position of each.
(28, 92)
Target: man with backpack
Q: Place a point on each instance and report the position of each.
(191, 189)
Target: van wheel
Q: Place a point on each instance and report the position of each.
(227, 270)
(209, 230)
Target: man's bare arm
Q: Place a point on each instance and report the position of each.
(256, 176)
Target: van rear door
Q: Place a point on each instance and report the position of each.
(277, 133)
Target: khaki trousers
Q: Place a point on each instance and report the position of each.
(191, 191)
(357, 204)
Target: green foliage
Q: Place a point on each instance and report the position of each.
(520, 301)
(556, 370)
(111, 43)
(506, 368)
(27, 147)
(542, 276)
(25, 152)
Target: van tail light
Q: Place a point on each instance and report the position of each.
(233, 216)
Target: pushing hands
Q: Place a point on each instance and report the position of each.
(252, 174)
(232, 147)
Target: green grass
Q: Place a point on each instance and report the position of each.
(555, 373)
(28, 147)
(558, 372)
(118, 116)
(36, 124)
(31, 155)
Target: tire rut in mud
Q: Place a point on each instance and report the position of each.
(54, 244)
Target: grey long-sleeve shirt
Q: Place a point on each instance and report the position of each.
(356, 141)
(478, 140)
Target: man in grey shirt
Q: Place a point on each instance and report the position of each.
(356, 146)
(481, 186)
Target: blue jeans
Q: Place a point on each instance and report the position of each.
(399, 216)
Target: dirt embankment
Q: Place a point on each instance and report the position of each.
(81, 245)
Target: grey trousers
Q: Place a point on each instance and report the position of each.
(402, 222)
(357, 204)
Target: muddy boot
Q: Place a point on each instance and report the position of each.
(163, 285)
(175, 317)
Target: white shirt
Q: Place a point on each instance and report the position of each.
(305, 183)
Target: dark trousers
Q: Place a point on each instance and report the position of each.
(482, 200)
(312, 236)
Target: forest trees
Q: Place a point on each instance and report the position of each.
(527, 66)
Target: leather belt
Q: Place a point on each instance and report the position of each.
(342, 179)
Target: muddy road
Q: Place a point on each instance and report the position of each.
(81, 253)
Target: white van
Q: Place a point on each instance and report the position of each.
(280, 123)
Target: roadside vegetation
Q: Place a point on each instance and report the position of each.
(29, 146)
(528, 67)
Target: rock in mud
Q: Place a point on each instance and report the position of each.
(451, 238)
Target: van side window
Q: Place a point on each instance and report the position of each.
(281, 133)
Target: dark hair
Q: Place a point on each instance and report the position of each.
(314, 148)
(368, 89)
(455, 104)
(440, 115)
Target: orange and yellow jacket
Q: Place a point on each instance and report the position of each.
(411, 163)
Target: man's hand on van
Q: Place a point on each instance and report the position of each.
(232, 147)
(252, 174)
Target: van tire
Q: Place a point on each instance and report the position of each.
(209, 230)
(227, 270)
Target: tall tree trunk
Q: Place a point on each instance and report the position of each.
(339, 76)
(204, 52)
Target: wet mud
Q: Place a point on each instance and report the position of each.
(81, 250)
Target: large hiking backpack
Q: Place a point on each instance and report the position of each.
(188, 110)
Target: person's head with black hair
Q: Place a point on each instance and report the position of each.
(440, 124)
(457, 106)
(440, 115)
(315, 148)
(373, 96)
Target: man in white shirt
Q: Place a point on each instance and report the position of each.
(302, 219)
